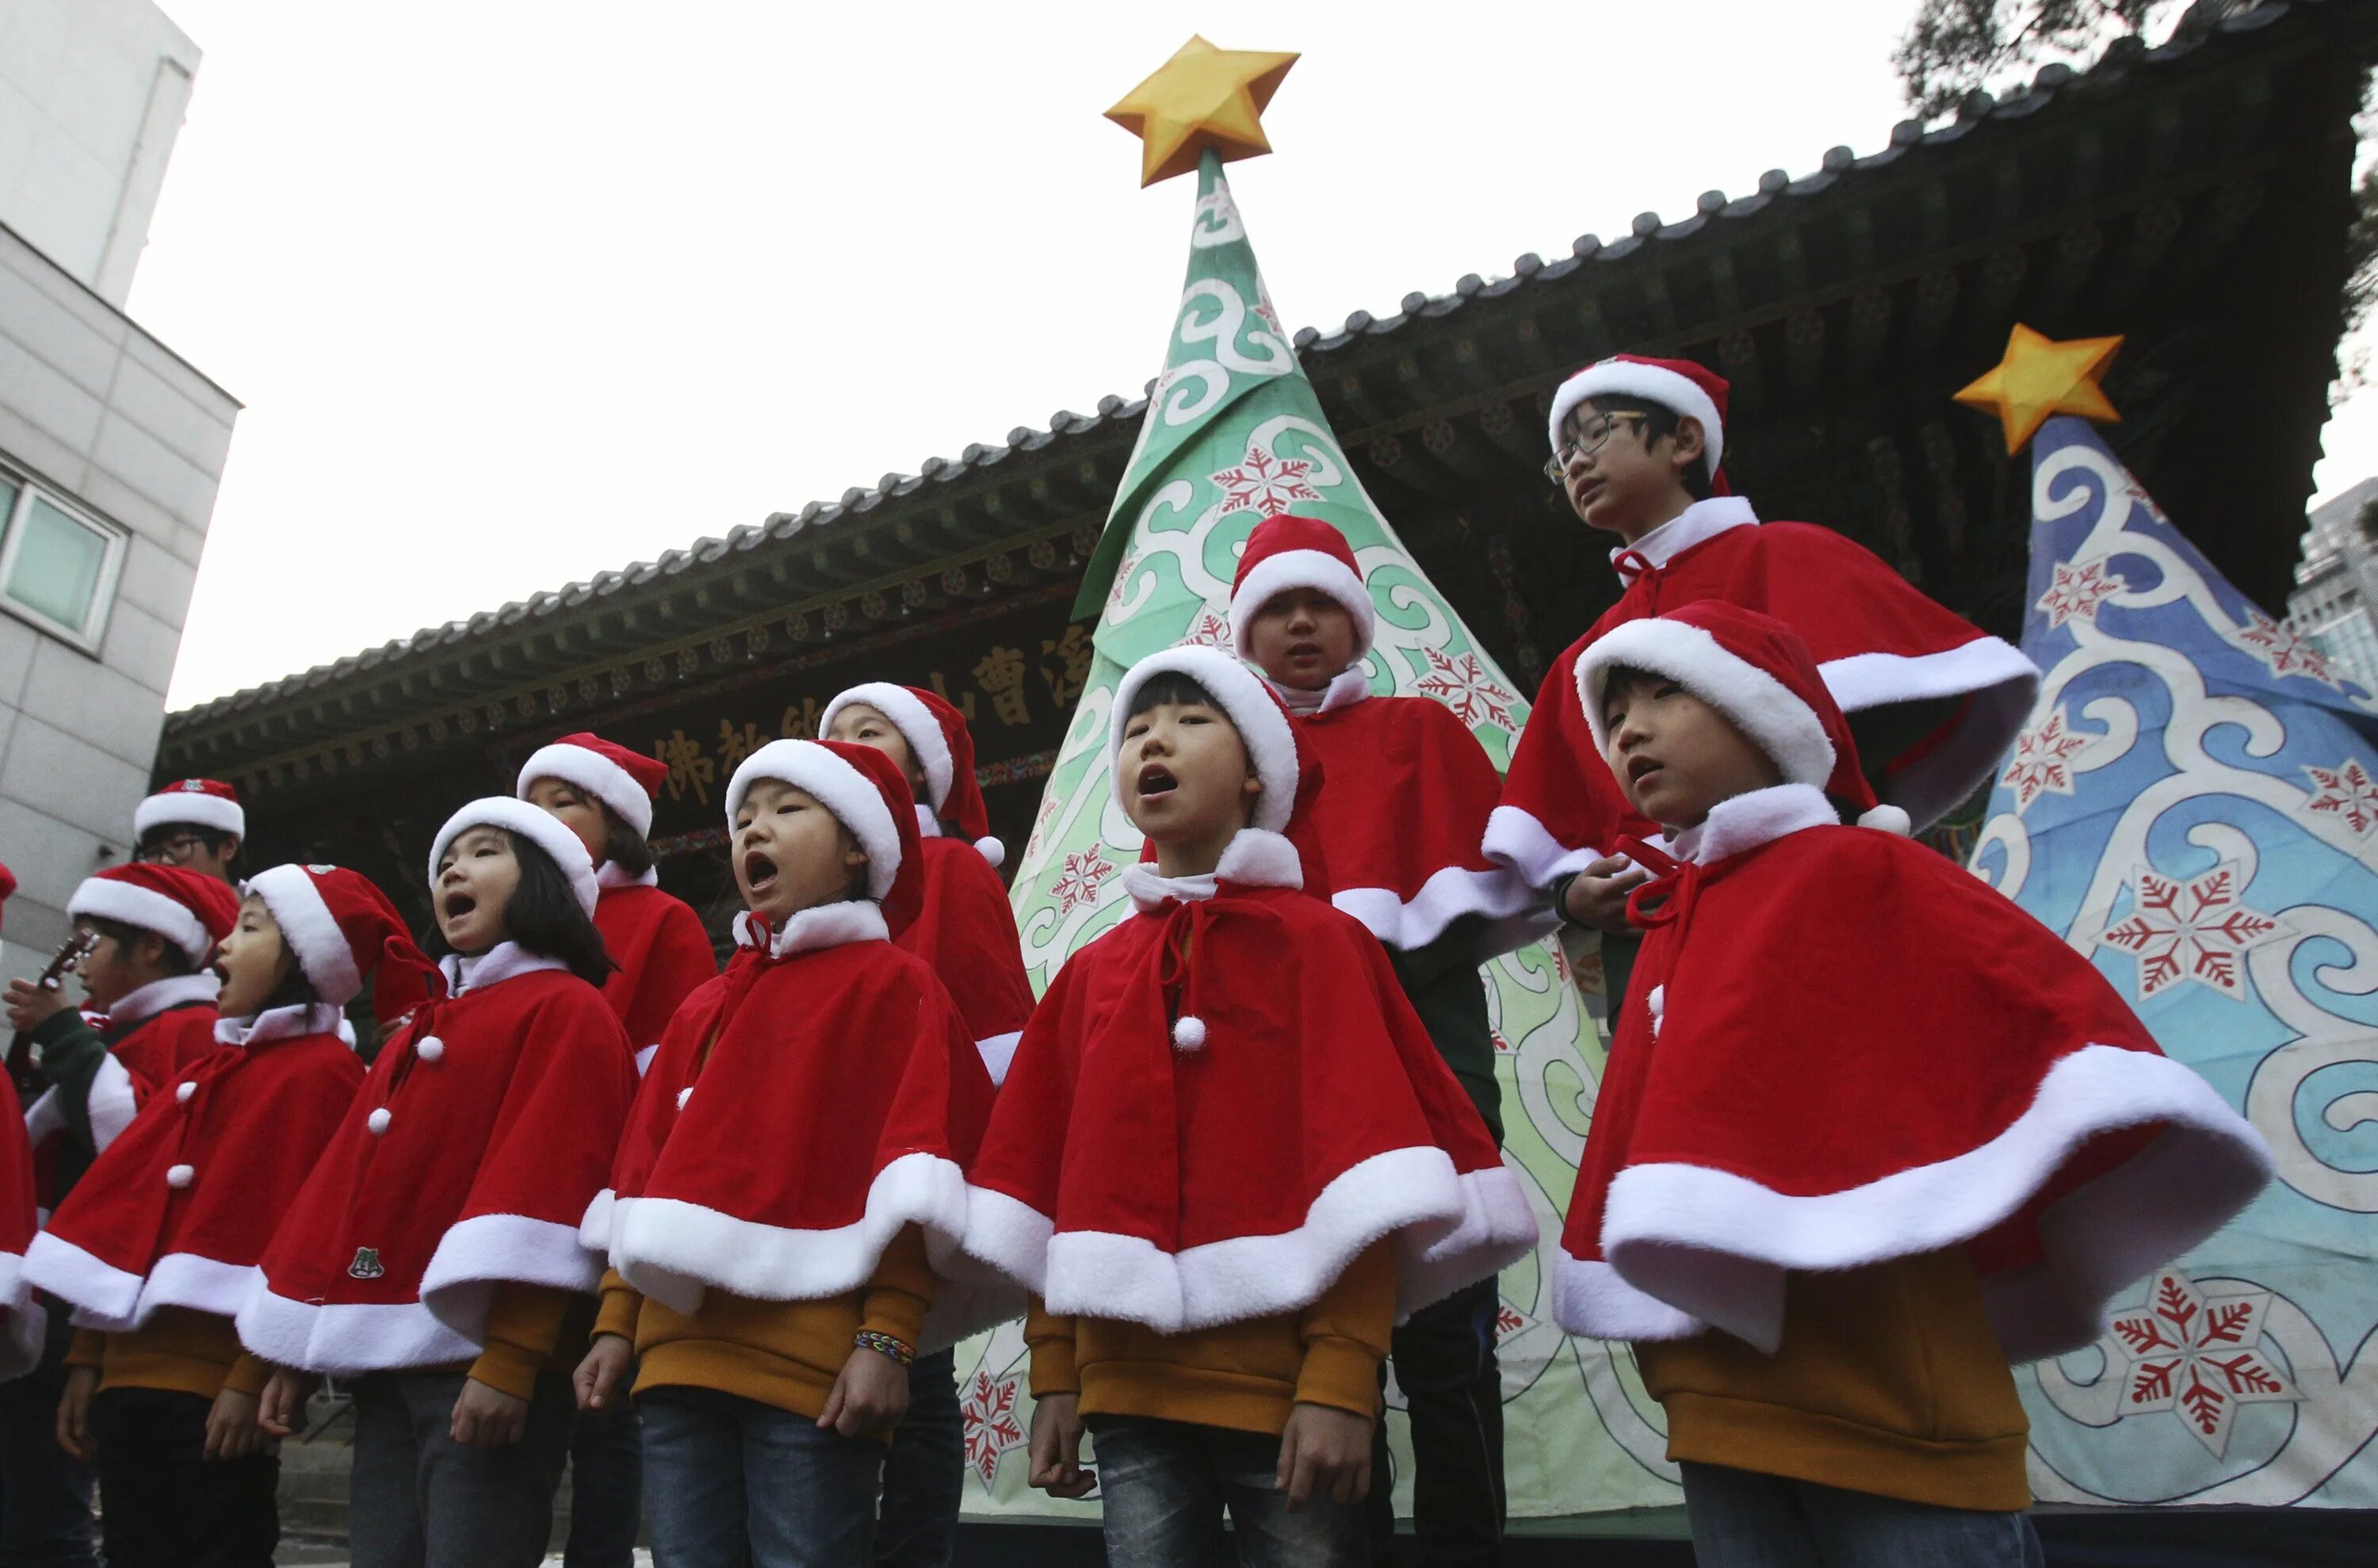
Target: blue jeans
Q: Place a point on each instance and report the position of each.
(732, 1483)
(417, 1499)
(1167, 1483)
(1742, 1519)
(917, 1525)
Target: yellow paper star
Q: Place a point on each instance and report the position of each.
(2039, 377)
(1203, 97)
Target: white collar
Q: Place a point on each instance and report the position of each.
(498, 964)
(928, 824)
(155, 997)
(609, 875)
(1348, 686)
(1698, 524)
(1253, 859)
(285, 1023)
(1745, 822)
(820, 925)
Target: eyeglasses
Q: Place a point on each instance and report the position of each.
(171, 851)
(1591, 438)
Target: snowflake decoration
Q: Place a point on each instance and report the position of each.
(2077, 591)
(1078, 882)
(1122, 581)
(2348, 794)
(2139, 497)
(1265, 483)
(991, 1428)
(1508, 1320)
(2044, 759)
(1264, 313)
(2199, 930)
(1462, 684)
(2196, 1355)
(2279, 647)
(1041, 826)
(1211, 630)
(1502, 1047)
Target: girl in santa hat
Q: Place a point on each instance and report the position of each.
(433, 1254)
(1227, 1157)
(1636, 449)
(776, 1289)
(157, 1248)
(966, 930)
(605, 793)
(1867, 1131)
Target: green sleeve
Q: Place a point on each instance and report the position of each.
(71, 1053)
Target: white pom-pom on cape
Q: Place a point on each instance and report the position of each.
(1189, 1033)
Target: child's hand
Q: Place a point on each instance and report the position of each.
(1323, 1451)
(231, 1431)
(1056, 1450)
(29, 1006)
(282, 1410)
(487, 1417)
(1597, 896)
(73, 1412)
(870, 1395)
(598, 1376)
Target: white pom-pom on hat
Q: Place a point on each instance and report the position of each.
(991, 849)
(1888, 820)
(1188, 1032)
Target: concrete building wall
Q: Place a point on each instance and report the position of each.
(101, 422)
(2336, 599)
(91, 97)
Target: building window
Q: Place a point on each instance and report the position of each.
(57, 566)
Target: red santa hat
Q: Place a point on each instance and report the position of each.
(8, 884)
(1679, 385)
(1253, 710)
(340, 927)
(1287, 552)
(938, 738)
(193, 912)
(867, 793)
(629, 782)
(201, 802)
(1758, 672)
(526, 821)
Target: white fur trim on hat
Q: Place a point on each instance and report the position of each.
(850, 794)
(105, 898)
(1263, 728)
(312, 934)
(537, 825)
(1780, 724)
(917, 726)
(1317, 570)
(595, 774)
(1650, 383)
(194, 807)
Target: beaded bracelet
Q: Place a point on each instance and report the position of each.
(900, 1350)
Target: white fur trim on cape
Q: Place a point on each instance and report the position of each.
(311, 930)
(498, 964)
(1513, 913)
(1716, 1245)
(109, 1104)
(1695, 525)
(535, 825)
(1252, 859)
(162, 996)
(820, 925)
(595, 774)
(1317, 570)
(1263, 726)
(1780, 724)
(192, 806)
(347, 1337)
(486, 1251)
(285, 1023)
(1744, 822)
(1651, 383)
(998, 1052)
(850, 794)
(609, 875)
(1515, 837)
(2000, 683)
(21, 1344)
(917, 726)
(104, 898)
(107, 1297)
(1590, 1298)
(1450, 1229)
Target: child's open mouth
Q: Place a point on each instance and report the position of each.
(1156, 780)
(458, 904)
(1640, 770)
(759, 870)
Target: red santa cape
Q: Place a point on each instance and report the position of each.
(663, 954)
(20, 1340)
(170, 1024)
(485, 1126)
(1226, 1098)
(1406, 797)
(1877, 641)
(965, 931)
(178, 1210)
(1838, 1048)
(850, 1055)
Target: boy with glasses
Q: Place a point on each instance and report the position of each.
(195, 824)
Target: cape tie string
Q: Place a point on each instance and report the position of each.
(1668, 896)
(1177, 970)
(1636, 568)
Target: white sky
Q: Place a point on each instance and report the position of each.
(515, 293)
